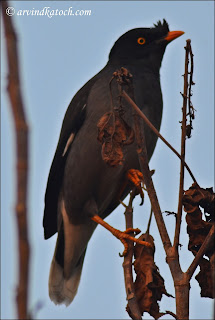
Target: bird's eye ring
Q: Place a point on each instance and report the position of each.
(141, 40)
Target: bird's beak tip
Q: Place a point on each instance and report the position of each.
(172, 35)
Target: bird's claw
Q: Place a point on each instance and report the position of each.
(132, 230)
(124, 236)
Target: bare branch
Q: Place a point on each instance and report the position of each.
(21, 131)
(143, 160)
(149, 222)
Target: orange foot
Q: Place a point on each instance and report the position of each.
(136, 177)
(122, 236)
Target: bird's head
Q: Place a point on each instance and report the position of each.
(146, 44)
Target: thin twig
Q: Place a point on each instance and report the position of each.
(149, 222)
(171, 314)
(200, 253)
(142, 115)
(143, 160)
(127, 266)
(183, 143)
(21, 130)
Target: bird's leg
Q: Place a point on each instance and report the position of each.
(122, 236)
(136, 177)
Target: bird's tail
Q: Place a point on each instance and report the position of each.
(62, 290)
(67, 263)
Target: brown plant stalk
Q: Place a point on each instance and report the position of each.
(127, 265)
(183, 141)
(21, 136)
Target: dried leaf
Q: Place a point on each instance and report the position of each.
(123, 76)
(193, 200)
(104, 126)
(205, 279)
(112, 153)
(114, 133)
(149, 284)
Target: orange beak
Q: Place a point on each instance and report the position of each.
(173, 35)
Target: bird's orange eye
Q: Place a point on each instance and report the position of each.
(141, 40)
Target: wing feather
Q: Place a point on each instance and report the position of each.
(73, 120)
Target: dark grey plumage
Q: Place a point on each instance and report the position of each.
(80, 183)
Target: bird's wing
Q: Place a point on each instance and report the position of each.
(72, 123)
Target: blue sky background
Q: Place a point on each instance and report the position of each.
(57, 56)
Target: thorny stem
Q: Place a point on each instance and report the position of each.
(201, 252)
(183, 142)
(21, 130)
(147, 121)
(190, 105)
(127, 266)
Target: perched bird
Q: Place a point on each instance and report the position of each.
(80, 183)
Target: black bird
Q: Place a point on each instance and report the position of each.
(80, 183)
